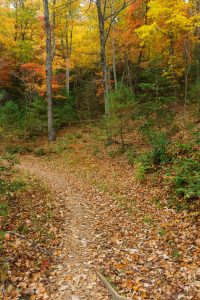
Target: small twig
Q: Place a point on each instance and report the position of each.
(32, 243)
(114, 294)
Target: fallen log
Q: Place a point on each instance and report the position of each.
(111, 290)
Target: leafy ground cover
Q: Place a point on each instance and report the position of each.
(147, 230)
(28, 227)
(132, 214)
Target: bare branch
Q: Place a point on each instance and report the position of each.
(104, 8)
(116, 13)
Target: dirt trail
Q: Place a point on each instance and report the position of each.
(99, 234)
(75, 277)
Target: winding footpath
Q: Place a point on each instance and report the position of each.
(75, 277)
(98, 234)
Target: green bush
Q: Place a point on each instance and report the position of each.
(2, 95)
(121, 104)
(121, 100)
(184, 148)
(159, 143)
(10, 115)
(143, 165)
(3, 210)
(194, 91)
(186, 178)
(197, 138)
(64, 112)
(35, 118)
(40, 151)
(131, 156)
(7, 183)
(146, 128)
(140, 172)
(14, 149)
(25, 121)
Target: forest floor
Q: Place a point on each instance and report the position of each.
(114, 224)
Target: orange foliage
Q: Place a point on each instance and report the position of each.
(33, 76)
(6, 67)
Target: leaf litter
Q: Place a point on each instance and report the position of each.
(144, 251)
(103, 220)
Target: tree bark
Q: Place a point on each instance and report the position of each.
(102, 36)
(51, 134)
(67, 57)
(68, 48)
(67, 60)
(129, 73)
(187, 66)
(137, 70)
(53, 34)
(197, 48)
(113, 47)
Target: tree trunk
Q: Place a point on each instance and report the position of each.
(67, 60)
(51, 134)
(68, 49)
(103, 55)
(187, 66)
(53, 34)
(137, 70)
(67, 73)
(129, 75)
(197, 49)
(113, 48)
(109, 79)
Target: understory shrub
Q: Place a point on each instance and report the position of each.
(10, 115)
(131, 156)
(64, 112)
(35, 117)
(184, 175)
(194, 91)
(121, 104)
(143, 165)
(8, 185)
(21, 149)
(159, 143)
(186, 178)
(31, 120)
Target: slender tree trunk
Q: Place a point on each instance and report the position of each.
(198, 77)
(171, 52)
(68, 50)
(67, 61)
(197, 49)
(103, 55)
(187, 66)
(109, 79)
(137, 70)
(114, 62)
(67, 74)
(53, 34)
(51, 134)
(129, 76)
(113, 47)
(66, 57)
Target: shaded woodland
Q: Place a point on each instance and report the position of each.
(105, 94)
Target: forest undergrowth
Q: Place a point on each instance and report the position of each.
(114, 86)
(153, 178)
